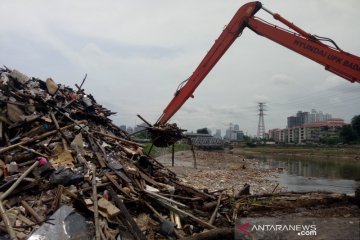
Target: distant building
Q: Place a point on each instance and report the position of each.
(233, 133)
(318, 116)
(291, 122)
(301, 118)
(239, 136)
(140, 127)
(130, 130)
(305, 117)
(227, 134)
(308, 132)
(274, 134)
(218, 133)
(298, 120)
(123, 127)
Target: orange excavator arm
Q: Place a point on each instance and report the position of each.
(334, 59)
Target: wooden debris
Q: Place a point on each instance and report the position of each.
(126, 217)
(38, 218)
(95, 201)
(108, 208)
(215, 234)
(7, 223)
(213, 216)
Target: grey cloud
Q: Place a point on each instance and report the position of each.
(137, 52)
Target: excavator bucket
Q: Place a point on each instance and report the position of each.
(165, 135)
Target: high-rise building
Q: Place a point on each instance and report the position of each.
(318, 116)
(129, 129)
(218, 133)
(233, 133)
(291, 122)
(305, 117)
(227, 134)
(301, 118)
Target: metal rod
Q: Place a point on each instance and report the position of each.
(173, 155)
(267, 10)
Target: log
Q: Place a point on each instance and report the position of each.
(194, 218)
(166, 199)
(30, 210)
(113, 181)
(215, 234)
(63, 137)
(213, 216)
(193, 191)
(245, 191)
(126, 217)
(119, 139)
(95, 149)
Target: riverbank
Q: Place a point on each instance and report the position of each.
(352, 152)
(217, 171)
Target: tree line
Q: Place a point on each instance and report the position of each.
(350, 134)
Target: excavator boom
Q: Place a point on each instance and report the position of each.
(311, 46)
(224, 41)
(335, 60)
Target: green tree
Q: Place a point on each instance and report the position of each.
(355, 124)
(143, 134)
(202, 131)
(347, 134)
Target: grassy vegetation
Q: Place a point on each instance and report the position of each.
(304, 150)
(160, 151)
(341, 151)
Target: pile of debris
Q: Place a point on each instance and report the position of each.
(67, 172)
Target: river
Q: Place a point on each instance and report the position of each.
(314, 173)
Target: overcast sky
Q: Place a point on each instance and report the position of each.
(137, 52)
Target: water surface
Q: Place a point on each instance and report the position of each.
(314, 173)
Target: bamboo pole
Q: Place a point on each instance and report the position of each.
(213, 216)
(96, 209)
(7, 223)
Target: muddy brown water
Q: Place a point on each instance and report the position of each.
(314, 173)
